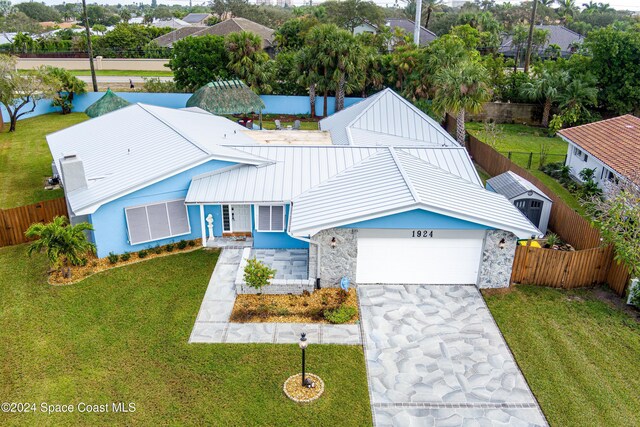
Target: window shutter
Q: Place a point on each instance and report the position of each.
(138, 225)
(178, 217)
(158, 221)
(264, 218)
(277, 218)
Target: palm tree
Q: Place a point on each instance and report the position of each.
(590, 7)
(459, 89)
(349, 61)
(547, 3)
(247, 59)
(323, 43)
(305, 74)
(545, 85)
(65, 245)
(432, 6)
(579, 94)
(567, 8)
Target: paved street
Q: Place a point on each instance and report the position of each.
(435, 356)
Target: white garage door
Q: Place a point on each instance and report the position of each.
(419, 256)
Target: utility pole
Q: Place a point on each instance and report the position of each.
(527, 58)
(416, 29)
(94, 80)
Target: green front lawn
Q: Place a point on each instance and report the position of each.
(136, 73)
(121, 336)
(521, 140)
(25, 160)
(579, 354)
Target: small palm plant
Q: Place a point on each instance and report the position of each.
(65, 245)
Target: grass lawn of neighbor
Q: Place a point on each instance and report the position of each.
(525, 139)
(121, 336)
(136, 73)
(578, 353)
(25, 160)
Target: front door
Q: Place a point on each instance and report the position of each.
(237, 218)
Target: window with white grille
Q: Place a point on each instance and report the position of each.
(270, 218)
(157, 221)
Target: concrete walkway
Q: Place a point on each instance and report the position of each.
(212, 323)
(435, 356)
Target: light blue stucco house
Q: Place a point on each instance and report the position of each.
(381, 193)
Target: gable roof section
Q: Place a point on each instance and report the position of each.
(408, 26)
(389, 115)
(615, 142)
(138, 145)
(236, 25)
(195, 18)
(393, 181)
(558, 34)
(512, 185)
(167, 40)
(295, 169)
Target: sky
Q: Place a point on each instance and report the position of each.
(616, 4)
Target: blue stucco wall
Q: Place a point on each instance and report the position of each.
(110, 227)
(418, 218)
(275, 104)
(282, 240)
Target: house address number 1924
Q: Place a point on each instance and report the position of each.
(422, 233)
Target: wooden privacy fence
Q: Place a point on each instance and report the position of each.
(590, 264)
(14, 222)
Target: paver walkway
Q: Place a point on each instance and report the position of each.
(212, 323)
(435, 356)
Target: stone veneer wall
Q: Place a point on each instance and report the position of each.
(496, 266)
(335, 263)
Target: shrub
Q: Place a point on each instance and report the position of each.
(182, 244)
(340, 315)
(257, 274)
(157, 250)
(125, 256)
(191, 243)
(169, 247)
(113, 258)
(143, 253)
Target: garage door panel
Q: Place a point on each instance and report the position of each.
(418, 260)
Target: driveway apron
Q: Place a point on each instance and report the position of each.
(435, 356)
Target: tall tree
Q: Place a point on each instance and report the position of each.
(195, 61)
(532, 24)
(459, 89)
(20, 91)
(545, 86)
(349, 14)
(349, 62)
(94, 79)
(68, 87)
(322, 44)
(247, 60)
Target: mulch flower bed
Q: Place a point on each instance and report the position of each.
(295, 391)
(305, 308)
(96, 265)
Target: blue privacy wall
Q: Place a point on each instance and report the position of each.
(275, 104)
(262, 240)
(419, 219)
(110, 226)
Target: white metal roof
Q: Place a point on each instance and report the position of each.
(512, 185)
(393, 181)
(296, 169)
(385, 113)
(135, 146)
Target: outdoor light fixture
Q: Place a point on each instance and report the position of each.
(303, 345)
(502, 244)
(333, 242)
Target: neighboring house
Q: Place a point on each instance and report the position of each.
(233, 25)
(167, 40)
(197, 18)
(400, 213)
(528, 198)
(405, 25)
(611, 147)
(174, 23)
(558, 35)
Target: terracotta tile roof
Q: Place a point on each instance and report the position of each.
(615, 142)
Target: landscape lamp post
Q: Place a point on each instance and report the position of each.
(303, 345)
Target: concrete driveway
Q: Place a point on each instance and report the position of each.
(436, 357)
